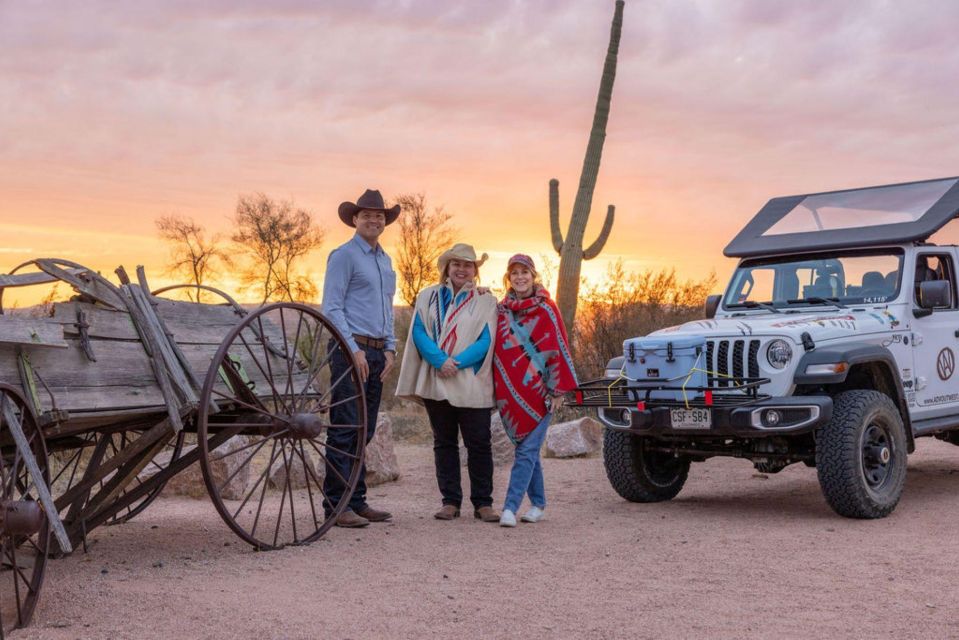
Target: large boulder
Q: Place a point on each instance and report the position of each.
(381, 463)
(581, 437)
(503, 448)
(189, 482)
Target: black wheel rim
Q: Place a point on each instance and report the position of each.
(23, 559)
(272, 380)
(662, 468)
(877, 456)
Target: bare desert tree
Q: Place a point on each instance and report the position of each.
(424, 235)
(193, 255)
(275, 236)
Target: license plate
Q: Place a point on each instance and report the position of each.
(691, 418)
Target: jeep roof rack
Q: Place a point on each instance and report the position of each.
(851, 218)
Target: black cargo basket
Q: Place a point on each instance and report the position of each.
(625, 394)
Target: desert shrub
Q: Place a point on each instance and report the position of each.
(629, 305)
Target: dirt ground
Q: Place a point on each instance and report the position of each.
(736, 555)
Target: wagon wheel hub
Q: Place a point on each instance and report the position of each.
(306, 425)
(20, 517)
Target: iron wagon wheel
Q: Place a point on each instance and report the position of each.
(280, 380)
(25, 531)
(73, 463)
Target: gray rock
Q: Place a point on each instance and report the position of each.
(581, 437)
(381, 463)
(297, 472)
(189, 482)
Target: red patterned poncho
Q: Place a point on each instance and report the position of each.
(531, 361)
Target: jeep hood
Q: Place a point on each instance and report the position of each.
(824, 324)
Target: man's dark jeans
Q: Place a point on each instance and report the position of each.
(447, 422)
(345, 439)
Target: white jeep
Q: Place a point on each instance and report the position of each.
(834, 345)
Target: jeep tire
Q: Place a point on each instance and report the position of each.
(640, 475)
(861, 455)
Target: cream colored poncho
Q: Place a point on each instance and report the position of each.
(462, 326)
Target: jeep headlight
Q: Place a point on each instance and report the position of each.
(779, 353)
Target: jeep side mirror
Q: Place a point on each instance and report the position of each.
(712, 304)
(935, 294)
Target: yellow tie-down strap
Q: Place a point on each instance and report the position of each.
(685, 378)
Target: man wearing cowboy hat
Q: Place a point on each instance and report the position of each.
(447, 366)
(358, 299)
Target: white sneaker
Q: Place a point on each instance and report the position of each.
(535, 514)
(508, 519)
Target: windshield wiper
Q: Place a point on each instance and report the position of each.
(752, 304)
(817, 300)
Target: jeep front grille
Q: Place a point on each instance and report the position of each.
(731, 358)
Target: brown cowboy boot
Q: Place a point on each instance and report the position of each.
(350, 520)
(448, 512)
(374, 515)
(486, 514)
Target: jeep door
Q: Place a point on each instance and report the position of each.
(935, 339)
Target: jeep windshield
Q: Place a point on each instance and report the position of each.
(837, 278)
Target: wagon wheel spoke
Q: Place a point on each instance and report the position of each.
(267, 373)
(315, 366)
(309, 473)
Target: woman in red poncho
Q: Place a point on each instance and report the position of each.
(531, 367)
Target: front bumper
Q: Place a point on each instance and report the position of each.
(797, 415)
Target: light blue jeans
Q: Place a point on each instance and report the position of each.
(526, 478)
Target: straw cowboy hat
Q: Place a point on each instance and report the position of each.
(460, 251)
(371, 200)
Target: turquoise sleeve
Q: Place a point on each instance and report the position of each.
(473, 355)
(428, 349)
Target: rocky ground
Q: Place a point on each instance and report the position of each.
(736, 555)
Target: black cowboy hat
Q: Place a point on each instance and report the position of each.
(371, 200)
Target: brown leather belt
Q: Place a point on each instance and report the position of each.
(366, 341)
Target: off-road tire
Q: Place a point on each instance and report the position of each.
(639, 475)
(843, 465)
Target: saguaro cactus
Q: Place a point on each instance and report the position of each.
(571, 249)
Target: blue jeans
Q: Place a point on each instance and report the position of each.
(345, 413)
(526, 478)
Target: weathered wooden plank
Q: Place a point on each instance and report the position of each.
(43, 491)
(188, 322)
(180, 374)
(103, 323)
(34, 332)
(85, 282)
(29, 279)
(160, 371)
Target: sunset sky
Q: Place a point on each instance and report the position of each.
(114, 114)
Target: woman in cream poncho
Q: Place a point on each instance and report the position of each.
(447, 365)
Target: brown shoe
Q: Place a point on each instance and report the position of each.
(351, 520)
(373, 515)
(448, 512)
(486, 514)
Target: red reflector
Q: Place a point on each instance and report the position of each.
(579, 397)
(709, 398)
(641, 406)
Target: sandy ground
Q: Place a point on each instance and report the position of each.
(736, 555)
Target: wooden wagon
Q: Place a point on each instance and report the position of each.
(106, 397)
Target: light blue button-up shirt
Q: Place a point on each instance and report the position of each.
(358, 292)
